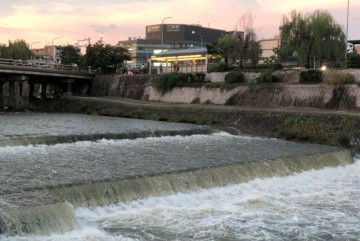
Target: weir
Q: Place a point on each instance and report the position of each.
(52, 210)
(41, 185)
(107, 192)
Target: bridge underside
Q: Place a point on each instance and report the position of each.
(17, 91)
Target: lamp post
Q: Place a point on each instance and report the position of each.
(34, 43)
(201, 38)
(52, 41)
(347, 31)
(53, 49)
(162, 33)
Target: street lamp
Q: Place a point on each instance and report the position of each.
(201, 38)
(162, 33)
(52, 42)
(347, 31)
(34, 43)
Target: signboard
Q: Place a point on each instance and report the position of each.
(153, 28)
(173, 28)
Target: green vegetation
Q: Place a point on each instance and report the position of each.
(234, 76)
(331, 130)
(353, 61)
(105, 58)
(267, 76)
(166, 82)
(69, 55)
(16, 50)
(240, 48)
(337, 78)
(311, 76)
(312, 35)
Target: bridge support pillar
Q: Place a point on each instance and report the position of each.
(11, 101)
(17, 99)
(31, 90)
(69, 86)
(1, 94)
(43, 92)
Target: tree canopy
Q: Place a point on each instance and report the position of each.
(312, 35)
(240, 47)
(105, 57)
(16, 50)
(70, 55)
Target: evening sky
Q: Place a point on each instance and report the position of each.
(43, 20)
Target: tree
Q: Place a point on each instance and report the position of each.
(250, 50)
(313, 35)
(16, 50)
(227, 46)
(70, 55)
(105, 57)
(241, 46)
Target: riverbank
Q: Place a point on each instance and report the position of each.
(330, 127)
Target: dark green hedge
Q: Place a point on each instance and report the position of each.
(168, 81)
(267, 76)
(311, 76)
(235, 77)
(353, 61)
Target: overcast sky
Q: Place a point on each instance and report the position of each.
(43, 20)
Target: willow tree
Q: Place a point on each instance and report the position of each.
(313, 35)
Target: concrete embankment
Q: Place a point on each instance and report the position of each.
(319, 113)
(288, 93)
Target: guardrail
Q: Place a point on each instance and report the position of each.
(36, 64)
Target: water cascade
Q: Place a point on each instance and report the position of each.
(103, 193)
(41, 184)
(35, 212)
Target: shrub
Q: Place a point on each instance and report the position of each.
(277, 66)
(311, 76)
(200, 77)
(267, 76)
(166, 82)
(353, 61)
(338, 78)
(234, 77)
(344, 139)
(217, 68)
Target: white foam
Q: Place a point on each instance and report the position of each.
(320, 204)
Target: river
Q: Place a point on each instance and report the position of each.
(311, 205)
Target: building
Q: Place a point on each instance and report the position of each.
(267, 46)
(354, 46)
(51, 53)
(165, 37)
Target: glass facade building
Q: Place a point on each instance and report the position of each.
(165, 37)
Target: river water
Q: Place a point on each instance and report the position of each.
(312, 205)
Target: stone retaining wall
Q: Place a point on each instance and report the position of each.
(288, 93)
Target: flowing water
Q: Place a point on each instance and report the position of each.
(154, 185)
(314, 205)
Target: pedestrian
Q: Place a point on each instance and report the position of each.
(143, 68)
(161, 68)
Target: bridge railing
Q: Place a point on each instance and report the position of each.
(40, 65)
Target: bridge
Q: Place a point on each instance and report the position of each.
(22, 81)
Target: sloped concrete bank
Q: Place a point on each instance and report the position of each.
(344, 97)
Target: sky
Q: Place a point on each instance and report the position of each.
(68, 21)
